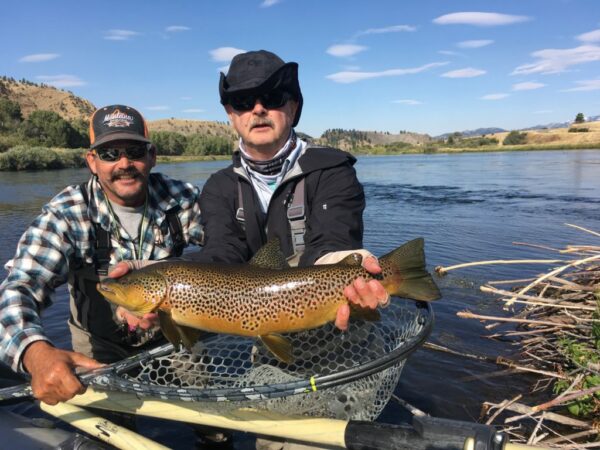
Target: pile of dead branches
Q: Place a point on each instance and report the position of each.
(556, 324)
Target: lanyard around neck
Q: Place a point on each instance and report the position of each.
(141, 230)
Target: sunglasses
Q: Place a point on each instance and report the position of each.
(270, 100)
(113, 154)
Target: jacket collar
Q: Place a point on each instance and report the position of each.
(313, 158)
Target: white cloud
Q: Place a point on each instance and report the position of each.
(585, 85)
(120, 35)
(345, 50)
(192, 110)
(475, 43)
(353, 76)
(494, 96)
(408, 102)
(553, 60)
(269, 3)
(449, 53)
(225, 54)
(479, 19)
(527, 86)
(39, 57)
(177, 28)
(61, 81)
(392, 29)
(157, 108)
(467, 72)
(590, 36)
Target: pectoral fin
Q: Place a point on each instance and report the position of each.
(367, 314)
(353, 259)
(177, 334)
(279, 346)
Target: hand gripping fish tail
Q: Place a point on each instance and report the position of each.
(404, 273)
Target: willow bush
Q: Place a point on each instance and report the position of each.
(23, 157)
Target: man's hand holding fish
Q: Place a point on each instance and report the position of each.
(365, 294)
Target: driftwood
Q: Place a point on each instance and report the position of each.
(552, 319)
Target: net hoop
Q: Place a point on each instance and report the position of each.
(318, 382)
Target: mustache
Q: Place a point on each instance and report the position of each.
(129, 172)
(261, 122)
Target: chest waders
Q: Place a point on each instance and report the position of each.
(296, 216)
(92, 317)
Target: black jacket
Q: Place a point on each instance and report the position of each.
(334, 203)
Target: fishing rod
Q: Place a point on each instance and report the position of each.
(424, 433)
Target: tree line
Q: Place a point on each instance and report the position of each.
(49, 129)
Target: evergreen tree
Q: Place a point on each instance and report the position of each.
(579, 118)
(49, 129)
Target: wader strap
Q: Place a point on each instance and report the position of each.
(176, 231)
(102, 245)
(297, 218)
(295, 214)
(239, 214)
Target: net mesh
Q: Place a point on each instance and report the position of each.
(358, 369)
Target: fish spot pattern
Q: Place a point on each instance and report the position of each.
(252, 301)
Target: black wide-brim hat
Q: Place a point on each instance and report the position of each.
(258, 72)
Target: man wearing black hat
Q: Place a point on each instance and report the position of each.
(122, 212)
(280, 186)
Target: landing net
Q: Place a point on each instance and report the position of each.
(348, 375)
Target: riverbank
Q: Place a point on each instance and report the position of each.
(24, 157)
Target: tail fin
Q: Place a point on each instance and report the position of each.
(404, 273)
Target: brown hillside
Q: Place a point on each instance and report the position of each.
(186, 127)
(32, 97)
(560, 136)
(353, 139)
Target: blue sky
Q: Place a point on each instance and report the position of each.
(428, 66)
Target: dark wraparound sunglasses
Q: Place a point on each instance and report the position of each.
(270, 100)
(113, 154)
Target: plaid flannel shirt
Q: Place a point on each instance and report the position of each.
(59, 239)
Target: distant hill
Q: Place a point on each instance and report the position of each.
(353, 139)
(31, 97)
(473, 133)
(187, 127)
(495, 130)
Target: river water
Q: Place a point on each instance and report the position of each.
(468, 207)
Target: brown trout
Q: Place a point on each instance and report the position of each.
(262, 298)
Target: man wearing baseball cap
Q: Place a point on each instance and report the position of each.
(122, 212)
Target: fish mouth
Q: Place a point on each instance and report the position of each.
(106, 291)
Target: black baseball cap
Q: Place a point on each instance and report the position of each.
(117, 123)
(259, 72)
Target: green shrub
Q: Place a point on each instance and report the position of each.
(9, 141)
(199, 144)
(23, 157)
(47, 128)
(168, 142)
(578, 130)
(515, 138)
